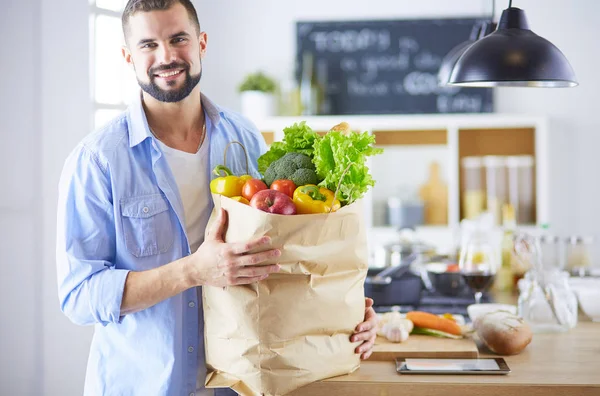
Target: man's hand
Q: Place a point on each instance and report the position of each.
(217, 263)
(366, 331)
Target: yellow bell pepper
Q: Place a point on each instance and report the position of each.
(241, 200)
(227, 184)
(311, 199)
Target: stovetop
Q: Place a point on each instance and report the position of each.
(437, 303)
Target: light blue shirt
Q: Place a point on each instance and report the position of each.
(119, 210)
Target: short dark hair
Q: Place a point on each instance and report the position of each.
(134, 6)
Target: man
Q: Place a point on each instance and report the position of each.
(133, 207)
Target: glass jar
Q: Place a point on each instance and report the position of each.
(521, 187)
(551, 252)
(473, 200)
(546, 301)
(404, 212)
(496, 187)
(578, 256)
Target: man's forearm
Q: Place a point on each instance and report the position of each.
(144, 289)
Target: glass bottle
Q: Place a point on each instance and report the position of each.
(504, 277)
(310, 92)
(322, 77)
(290, 98)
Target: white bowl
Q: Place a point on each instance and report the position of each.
(587, 291)
(589, 301)
(476, 310)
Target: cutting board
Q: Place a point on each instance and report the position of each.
(422, 346)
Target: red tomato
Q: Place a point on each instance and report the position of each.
(285, 186)
(251, 187)
(452, 268)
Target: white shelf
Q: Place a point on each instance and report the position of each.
(405, 122)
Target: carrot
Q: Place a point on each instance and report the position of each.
(430, 321)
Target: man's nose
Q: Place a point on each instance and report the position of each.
(167, 55)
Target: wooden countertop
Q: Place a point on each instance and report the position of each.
(562, 364)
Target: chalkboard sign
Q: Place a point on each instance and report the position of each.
(390, 66)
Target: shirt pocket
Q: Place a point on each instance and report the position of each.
(147, 225)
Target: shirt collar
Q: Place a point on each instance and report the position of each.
(139, 129)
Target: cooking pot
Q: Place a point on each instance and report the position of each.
(405, 247)
(394, 285)
(445, 280)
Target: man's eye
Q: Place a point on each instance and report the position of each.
(178, 40)
(148, 45)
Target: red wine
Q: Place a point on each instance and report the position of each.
(478, 280)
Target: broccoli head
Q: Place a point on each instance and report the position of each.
(296, 167)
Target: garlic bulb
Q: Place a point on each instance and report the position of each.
(393, 317)
(394, 326)
(395, 332)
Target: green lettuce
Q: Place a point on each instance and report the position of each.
(298, 138)
(340, 159)
(276, 151)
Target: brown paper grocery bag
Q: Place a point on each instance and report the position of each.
(293, 328)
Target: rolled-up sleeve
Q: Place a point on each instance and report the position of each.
(90, 287)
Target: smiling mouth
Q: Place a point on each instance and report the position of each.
(168, 74)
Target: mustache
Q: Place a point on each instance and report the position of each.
(161, 68)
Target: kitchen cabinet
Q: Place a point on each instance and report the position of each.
(444, 138)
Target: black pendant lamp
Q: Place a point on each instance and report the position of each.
(480, 30)
(513, 56)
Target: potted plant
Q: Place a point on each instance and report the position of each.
(257, 93)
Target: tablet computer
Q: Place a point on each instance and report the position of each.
(451, 366)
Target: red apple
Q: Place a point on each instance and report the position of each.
(272, 201)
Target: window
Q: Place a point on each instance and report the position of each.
(112, 81)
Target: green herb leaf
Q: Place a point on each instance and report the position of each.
(435, 333)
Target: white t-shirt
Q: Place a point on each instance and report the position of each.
(192, 178)
(193, 181)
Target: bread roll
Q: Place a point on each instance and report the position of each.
(343, 127)
(503, 333)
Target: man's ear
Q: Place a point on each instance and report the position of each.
(126, 55)
(202, 40)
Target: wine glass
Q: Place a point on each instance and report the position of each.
(478, 263)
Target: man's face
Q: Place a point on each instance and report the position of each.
(166, 51)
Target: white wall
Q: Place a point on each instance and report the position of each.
(244, 36)
(65, 120)
(20, 213)
(44, 112)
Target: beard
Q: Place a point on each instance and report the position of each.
(175, 95)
